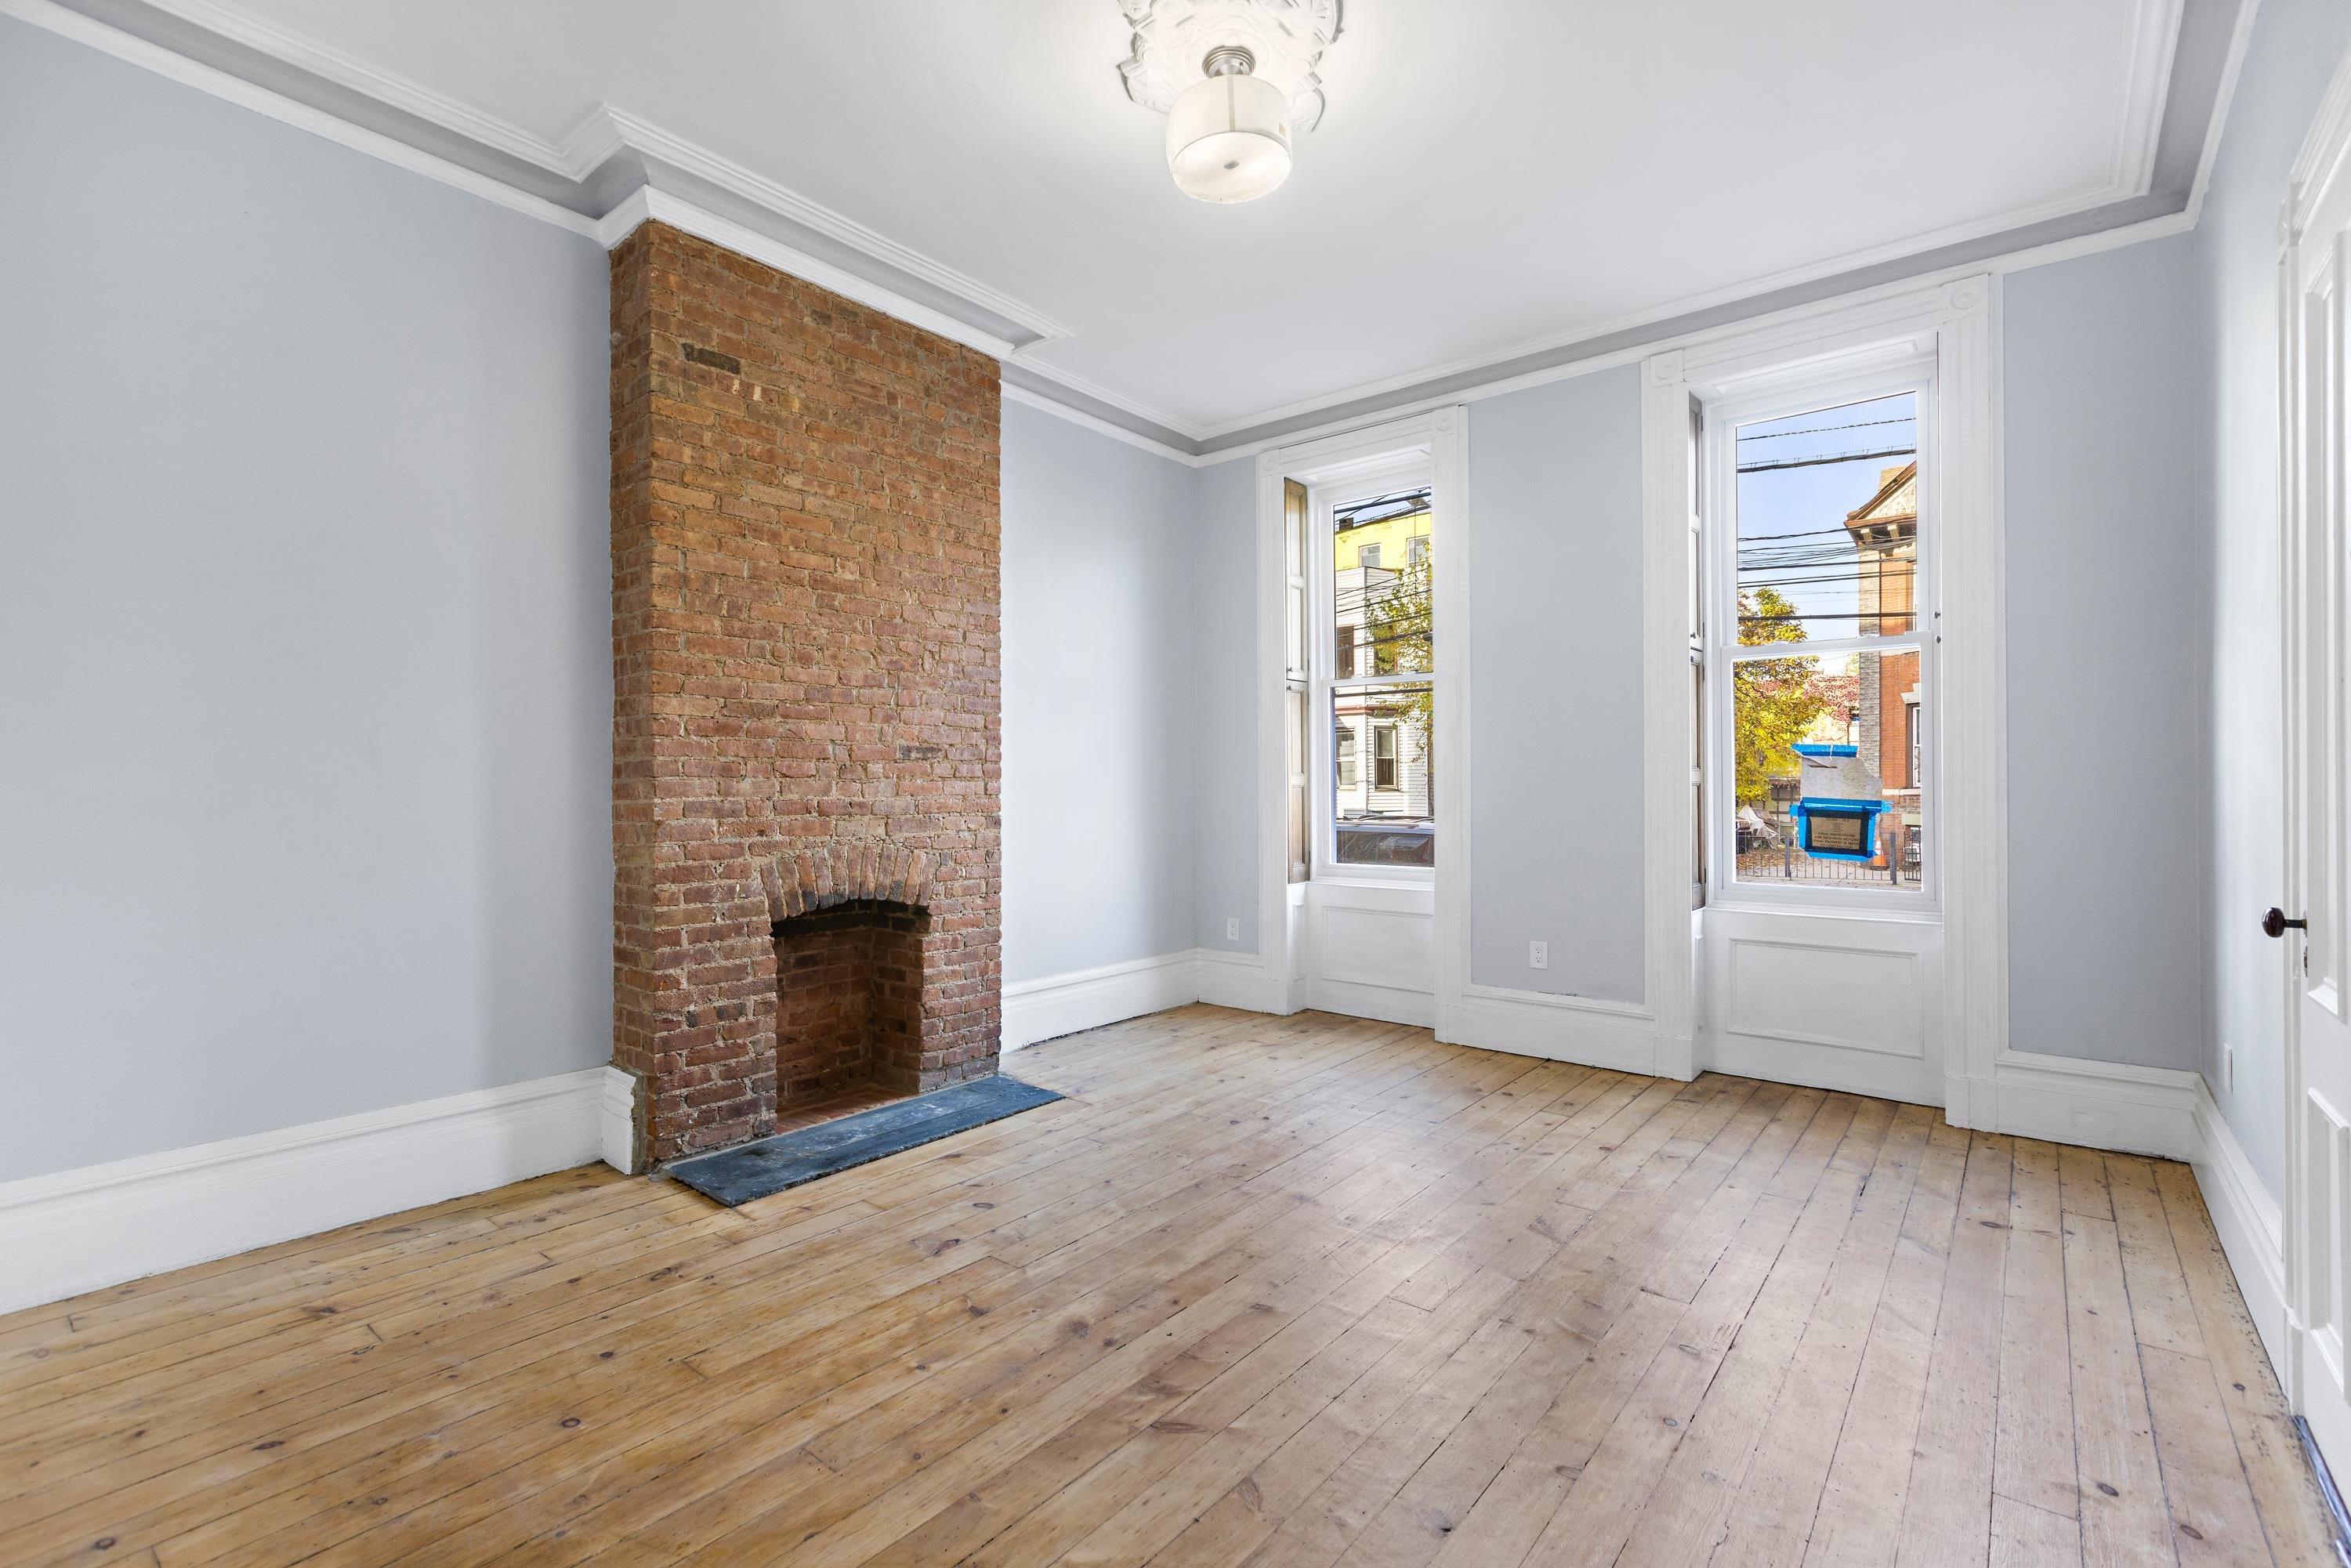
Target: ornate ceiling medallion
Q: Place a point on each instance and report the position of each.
(1236, 79)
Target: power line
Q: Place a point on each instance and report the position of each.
(1824, 429)
(1745, 541)
(1397, 504)
(1817, 462)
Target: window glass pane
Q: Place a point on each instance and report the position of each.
(1383, 601)
(1828, 523)
(1828, 751)
(1383, 783)
(1295, 731)
(1295, 535)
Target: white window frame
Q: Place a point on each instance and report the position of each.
(1439, 438)
(1322, 501)
(1719, 535)
(1955, 320)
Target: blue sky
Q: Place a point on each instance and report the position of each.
(1794, 504)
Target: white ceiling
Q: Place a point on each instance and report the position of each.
(1490, 173)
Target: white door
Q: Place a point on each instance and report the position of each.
(2310, 920)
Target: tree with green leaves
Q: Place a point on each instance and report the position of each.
(1774, 702)
(1403, 619)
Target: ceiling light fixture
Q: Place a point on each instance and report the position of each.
(1229, 134)
(1236, 80)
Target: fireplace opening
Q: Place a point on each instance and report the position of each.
(848, 1008)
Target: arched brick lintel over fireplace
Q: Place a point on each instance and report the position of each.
(872, 872)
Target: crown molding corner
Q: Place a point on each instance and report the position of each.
(1015, 392)
(683, 171)
(2138, 129)
(1162, 420)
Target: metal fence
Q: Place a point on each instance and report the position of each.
(1785, 863)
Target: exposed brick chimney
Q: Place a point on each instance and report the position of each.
(805, 736)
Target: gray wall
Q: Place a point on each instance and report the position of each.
(1556, 713)
(304, 626)
(1098, 682)
(2295, 46)
(304, 657)
(2107, 610)
(1224, 731)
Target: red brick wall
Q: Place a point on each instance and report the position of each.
(805, 656)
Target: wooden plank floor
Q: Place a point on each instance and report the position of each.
(1275, 1291)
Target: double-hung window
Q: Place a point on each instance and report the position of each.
(1374, 597)
(1821, 707)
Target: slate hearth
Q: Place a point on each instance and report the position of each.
(749, 1171)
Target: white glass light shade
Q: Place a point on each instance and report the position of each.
(1229, 139)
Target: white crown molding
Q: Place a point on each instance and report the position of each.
(648, 204)
(2232, 67)
(623, 130)
(85, 1229)
(350, 72)
(2147, 82)
(2001, 265)
(598, 171)
(1690, 305)
(1093, 390)
(2324, 156)
(52, 18)
(610, 149)
(1043, 404)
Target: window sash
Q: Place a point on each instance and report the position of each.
(1739, 653)
(1332, 684)
(1717, 444)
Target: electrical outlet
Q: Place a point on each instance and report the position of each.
(2228, 1067)
(1232, 928)
(1538, 955)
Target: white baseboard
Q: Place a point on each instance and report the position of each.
(1057, 1005)
(1559, 1029)
(1088, 998)
(2096, 1105)
(2248, 1217)
(1238, 980)
(85, 1229)
(616, 1110)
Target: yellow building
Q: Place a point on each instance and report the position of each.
(1381, 757)
(1389, 543)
